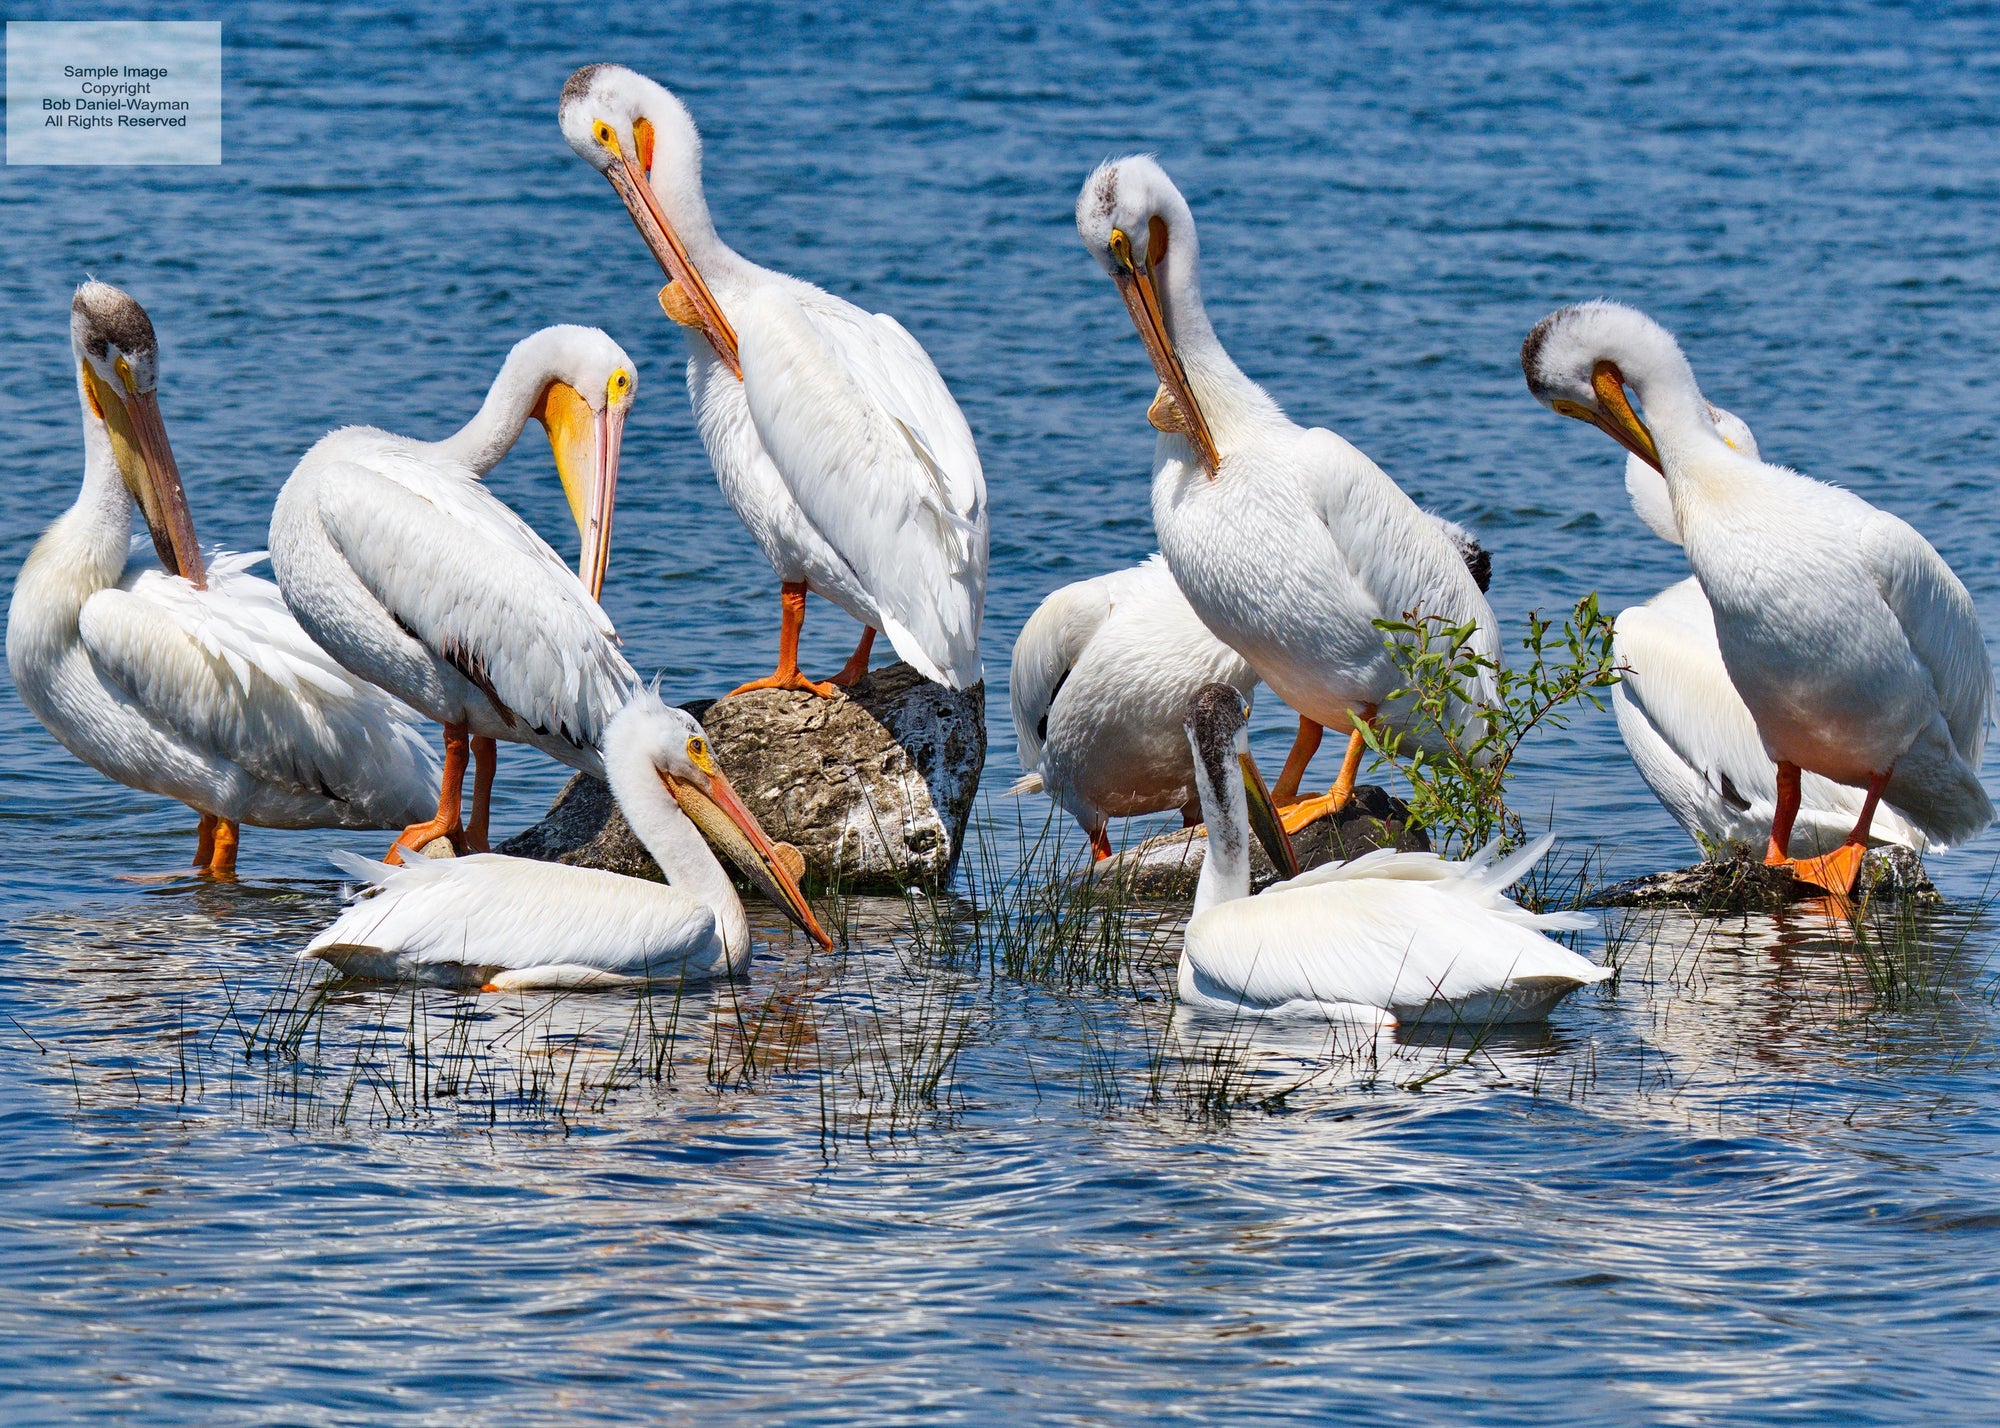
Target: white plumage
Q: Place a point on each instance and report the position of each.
(1287, 541)
(1686, 728)
(1385, 937)
(507, 923)
(833, 436)
(394, 555)
(1102, 674)
(1856, 650)
(198, 686)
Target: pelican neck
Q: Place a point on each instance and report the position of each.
(676, 844)
(497, 425)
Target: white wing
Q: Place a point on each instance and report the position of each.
(1046, 650)
(1940, 623)
(230, 672)
(870, 443)
(1409, 933)
(1398, 552)
(490, 914)
(471, 581)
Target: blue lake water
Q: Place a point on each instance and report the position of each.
(1749, 1183)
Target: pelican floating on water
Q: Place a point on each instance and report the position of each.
(189, 678)
(834, 438)
(1855, 648)
(501, 923)
(405, 568)
(1287, 541)
(1102, 674)
(1384, 937)
(1684, 724)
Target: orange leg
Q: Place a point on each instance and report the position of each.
(1303, 749)
(451, 791)
(1342, 793)
(1100, 845)
(1780, 849)
(792, 620)
(204, 840)
(485, 755)
(857, 663)
(222, 863)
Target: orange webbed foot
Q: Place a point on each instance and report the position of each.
(782, 680)
(1837, 871)
(1310, 810)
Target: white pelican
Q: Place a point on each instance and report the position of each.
(1101, 678)
(405, 568)
(832, 435)
(1855, 648)
(188, 679)
(1683, 723)
(1385, 937)
(501, 923)
(1287, 541)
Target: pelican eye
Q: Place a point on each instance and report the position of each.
(124, 370)
(619, 385)
(697, 751)
(604, 135)
(1563, 407)
(1121, 249)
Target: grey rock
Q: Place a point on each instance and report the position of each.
(1737, 880)
(1168, 866)
(874, 788)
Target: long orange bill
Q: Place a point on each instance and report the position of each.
(610, 433)
(1142, 300)
(167, 514)
(1620, 422)
(1265, 822)
(630, 182)
(733, 830)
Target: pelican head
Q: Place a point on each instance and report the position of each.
(117, 359)
(1580, 360)
(678, 750)
(588, 383)
(1131, 217)
(1647, 488)
(1218, 732)
(624, 125)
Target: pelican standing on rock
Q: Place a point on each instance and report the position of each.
(1383, 938)
(833, 436)
(1684, 724)
(1287, 541)
(189, 678)
(405, 568)
(1855, 648)
(1102, 674)
(504, 923)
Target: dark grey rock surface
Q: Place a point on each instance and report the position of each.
(1737, 880)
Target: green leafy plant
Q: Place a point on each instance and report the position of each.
(1456, 749)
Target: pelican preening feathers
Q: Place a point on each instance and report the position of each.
(1287, 541)
(833, 436)
(1385, 937)
(188, 678)
(403, 566)
(1854, 647)
(1821, 677)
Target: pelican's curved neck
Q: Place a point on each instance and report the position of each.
(98, 524)
(496, 426)
(1225, 868)
(675, 843)
(1229, 399)
(1671, 403)
(676, 185)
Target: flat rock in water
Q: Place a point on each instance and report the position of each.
(1737, 880)
(1167, 867)
(873, 788)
